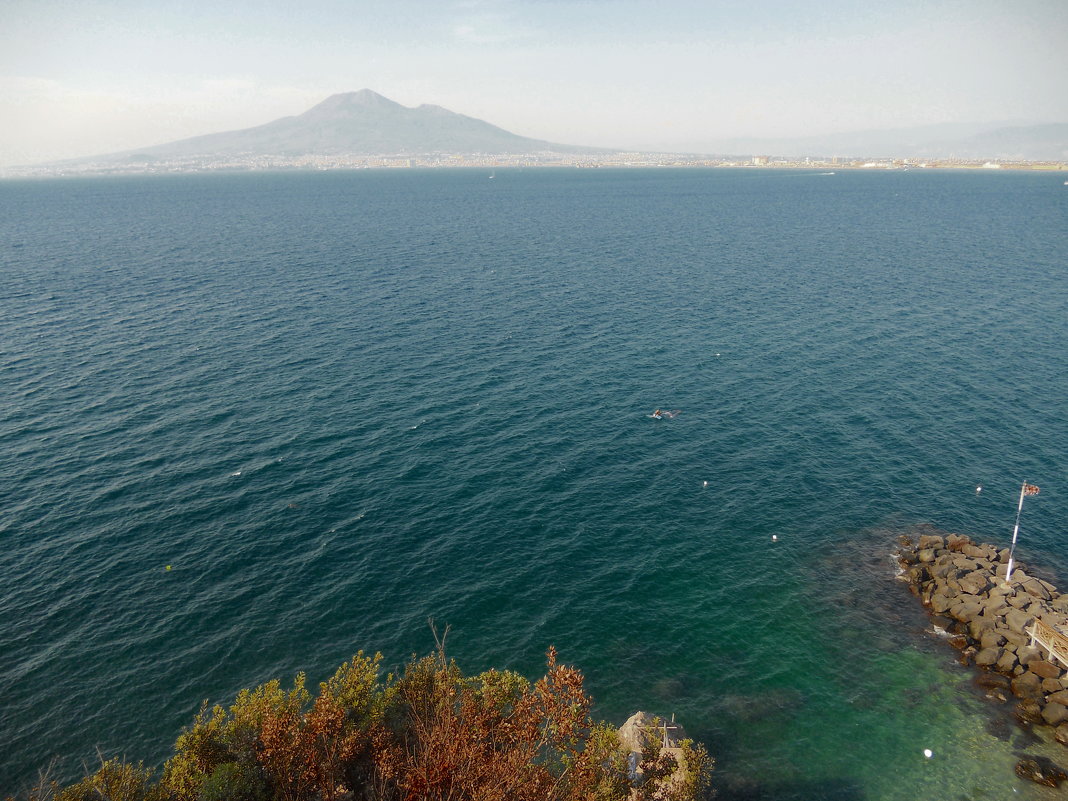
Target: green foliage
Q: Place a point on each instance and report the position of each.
(428, 734)
(116, 780)
(231, 781)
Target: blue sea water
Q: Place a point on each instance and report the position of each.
(250, 424)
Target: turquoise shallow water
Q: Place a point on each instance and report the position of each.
(339, 404)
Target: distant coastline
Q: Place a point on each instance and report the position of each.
(363, 130)
(266, 163)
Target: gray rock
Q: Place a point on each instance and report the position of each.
(926, 555)
(1028, 654)
(1013, 638)
(1018, 601)
(1018, 621)
(1054, 714)
(990, 638)
(964, 563)
(1007, 661)
(988, 656)
(940, 603)
(942, 570)
(975, 583)
(978, 626)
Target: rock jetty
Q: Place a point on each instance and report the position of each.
(963, 586)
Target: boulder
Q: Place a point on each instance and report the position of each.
(1017, 620)
(1060, 604)
(966, 608)
(926, 555)
(1054, 714)
(1028, 654)
(1026, 685)
(978, 626)
(1018, 601)
(1051, 686)
(1013, 638)
(942, 570)
(1006, 662)
(1061, 734)
(989, 638)
(942, 622)
(1044, 669)
(1059, 697)
(995, 606)
(931, 541)
(1040, 770)
(992, 680)
(940, 603)
(975, 583)
(988, 656)
(1028, 711)
(955, 542)
(640, 729)
(964, 563)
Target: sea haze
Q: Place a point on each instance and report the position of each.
(335, 405)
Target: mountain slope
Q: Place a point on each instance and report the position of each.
(360, 123)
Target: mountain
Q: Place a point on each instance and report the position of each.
(360, 123)
(954, 140)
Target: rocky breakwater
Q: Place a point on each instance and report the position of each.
(963, 585)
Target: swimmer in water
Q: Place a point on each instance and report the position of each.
(656, 414)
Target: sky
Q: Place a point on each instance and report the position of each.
(85, 77)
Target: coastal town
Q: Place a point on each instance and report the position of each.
(264, 162)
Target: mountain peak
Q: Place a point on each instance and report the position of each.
(348, 101)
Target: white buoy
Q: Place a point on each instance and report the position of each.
(927, 752)
(774, 537)
(978, 489)
(706, 484)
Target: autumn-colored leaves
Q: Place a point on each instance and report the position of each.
(427, 734)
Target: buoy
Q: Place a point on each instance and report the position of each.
(774, 537)
(168, 567)
(978, 489)
(927, 752)
(706, 484)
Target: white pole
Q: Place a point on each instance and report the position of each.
(1015, 532)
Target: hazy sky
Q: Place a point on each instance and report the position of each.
(81, 77)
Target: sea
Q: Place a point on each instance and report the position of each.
(251, 424)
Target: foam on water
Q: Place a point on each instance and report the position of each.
(338, 404)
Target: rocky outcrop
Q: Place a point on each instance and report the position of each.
(963, 585)
(642, 731)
